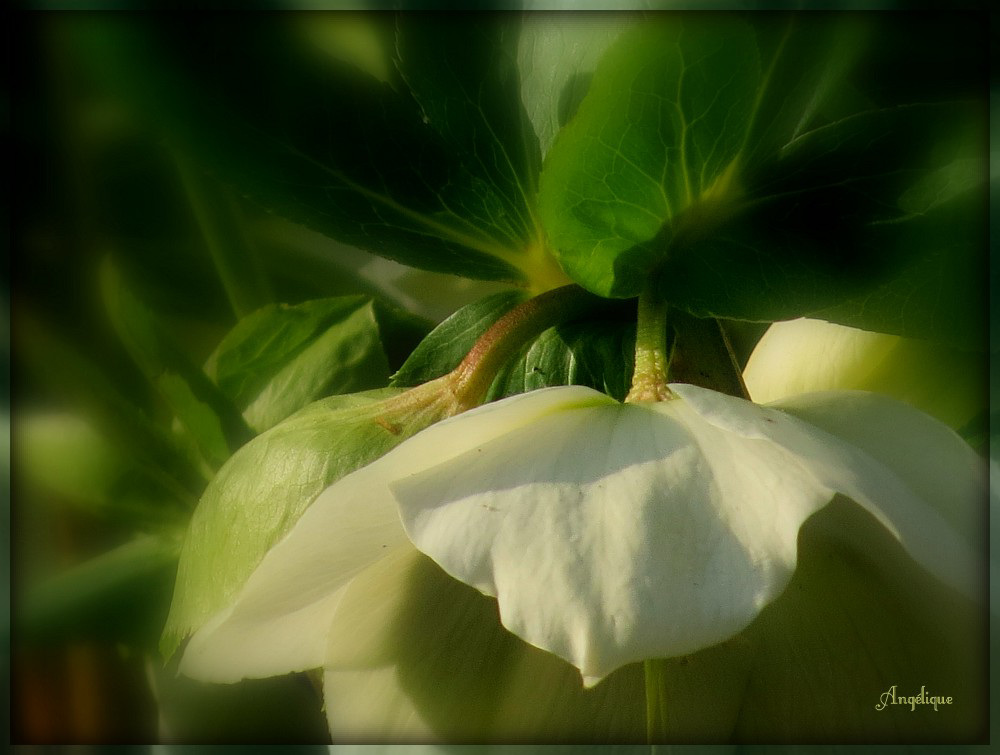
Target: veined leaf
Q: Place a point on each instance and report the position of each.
(557, 55)
(281, 357)
(665, 117)
(462, 72)
(445, 346)
(260, 493)
(596, 351)
(785, 184)
(442, 182)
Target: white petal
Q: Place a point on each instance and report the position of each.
(370, 705)
(933, 461)
(441, 667)
(629, 532)
(917, 477)
(642, 531)
(804, 355)
(279, 621)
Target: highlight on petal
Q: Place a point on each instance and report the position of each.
(917, 477)
(805, 355)
(279, 621)
(652, 530)
(929, 457)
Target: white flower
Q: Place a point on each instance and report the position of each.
(609, 533)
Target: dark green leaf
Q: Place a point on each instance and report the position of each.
(120, 592)
(442, 350)
(462, 71)
(821, 241)
(940, 295)
(596, 350)
(281, 357)
(326, 144)
(663, 122)
(229, 245)
(209, 417)
(822, 191)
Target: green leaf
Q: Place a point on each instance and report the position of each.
(803, 187)
(445, 347)
(281, 357)
(462, 72)
(940, 295)
(210, 418)
(322, 142)
(265, 486)
(225, 236)
(665, 117)
(557, 56)
(117, 595)
(851, 207)
(596, 351)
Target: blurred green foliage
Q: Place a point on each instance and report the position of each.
(170, 309)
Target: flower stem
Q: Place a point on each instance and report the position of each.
(472, 378)
(467, 385)
(649, 380)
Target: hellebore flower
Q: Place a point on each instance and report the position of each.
(609, 533)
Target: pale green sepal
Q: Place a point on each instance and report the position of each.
(258, 495)
(278, 622)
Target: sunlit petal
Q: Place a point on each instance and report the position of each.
(652, 530)
(279, 621)
(805, 355)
